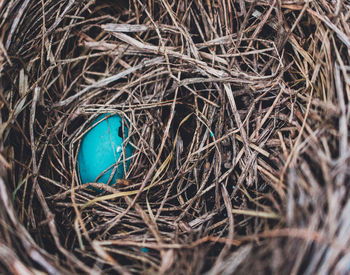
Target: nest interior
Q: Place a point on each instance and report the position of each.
(238, 114)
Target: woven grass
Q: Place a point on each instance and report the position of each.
(238, 113)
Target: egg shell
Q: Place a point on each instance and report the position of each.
(101, 150)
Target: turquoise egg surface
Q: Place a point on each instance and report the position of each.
(101, 151)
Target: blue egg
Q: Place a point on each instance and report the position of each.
(100, 156)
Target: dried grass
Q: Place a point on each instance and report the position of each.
(239, 119)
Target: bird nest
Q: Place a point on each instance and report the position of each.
(238, 115)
